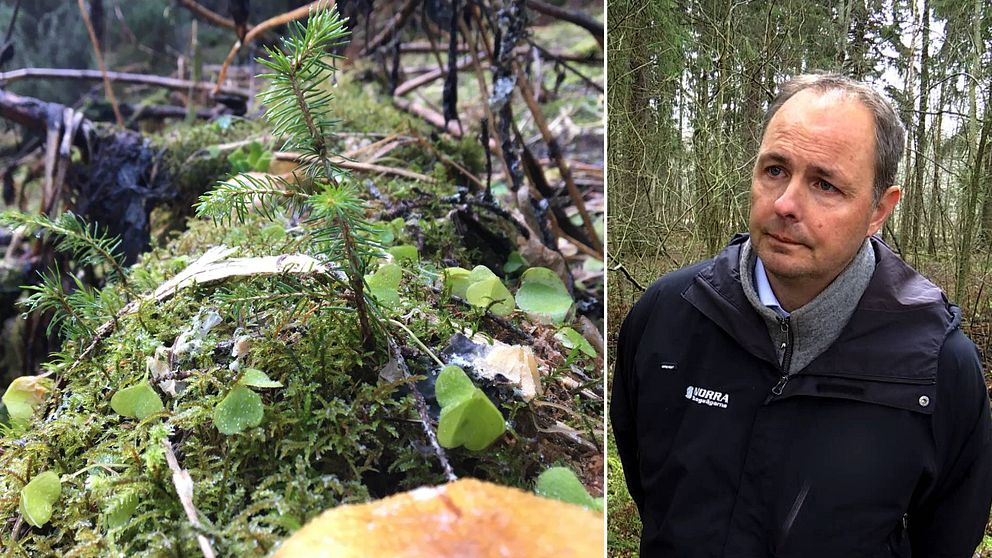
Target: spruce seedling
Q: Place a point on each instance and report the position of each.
(298, 107)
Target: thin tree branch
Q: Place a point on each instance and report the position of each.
(275, 21)
(582, 20)
(392, 25)
(99, 60)
(123, 77)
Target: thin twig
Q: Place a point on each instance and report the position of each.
(554, 151)
(123, 77)
(99, 60)
(392, 25)
(298, 13)
(184, 489)
(425, 419)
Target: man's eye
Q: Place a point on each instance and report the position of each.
(825, 186)
(775, 171)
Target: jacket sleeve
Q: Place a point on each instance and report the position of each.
(949, 520)
(623, 401)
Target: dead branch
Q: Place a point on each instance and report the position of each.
(576, 17)
(554, 151)
(432, 117)
(620, 267)
(183, 483)
(99, 60)
(275, 21)
(123, 77)
(207, 14)
(425, 419)
(360, 167)
(391, 27)
(424, 47)
(428, 77)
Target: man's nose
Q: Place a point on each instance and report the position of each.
(789, 203)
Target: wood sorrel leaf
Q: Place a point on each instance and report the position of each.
(24, 394)
(491, 294)
(452, 386)
(543, 296)
(560, 483)
(473, 422)
(38, 498)
(242, 408)
(137, 401)
(456, 281)
(256, 378)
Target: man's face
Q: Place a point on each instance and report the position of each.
(811, 190)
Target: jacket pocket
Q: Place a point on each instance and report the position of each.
(910, 394)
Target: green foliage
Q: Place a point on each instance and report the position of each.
(138, 401)
(253, 157)
(38, 498)
(574, 340)
(241, 408)
(468, 417)
(23, 396)
(266, 195)
(72, 235)
(384, 285)
(560, 483)
(543, 296)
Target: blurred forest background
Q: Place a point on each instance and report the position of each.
(688, 84)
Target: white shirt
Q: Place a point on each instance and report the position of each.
(765, 292)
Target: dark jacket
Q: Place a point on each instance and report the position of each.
(882, 446)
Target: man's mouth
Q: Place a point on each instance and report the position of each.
(783, 239)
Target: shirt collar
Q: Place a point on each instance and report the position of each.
(764, 288)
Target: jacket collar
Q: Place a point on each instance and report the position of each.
(897, 329)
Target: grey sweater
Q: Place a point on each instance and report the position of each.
(818, 323)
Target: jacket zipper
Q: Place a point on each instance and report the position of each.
(786, 328)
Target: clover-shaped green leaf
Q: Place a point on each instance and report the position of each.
(452, 385)
(473, 422)
(468, 417)
(38, 498)
(256, 378)
(572, 339)
(543, 296)
(456, 281)
(560, 483)
(487, 291)
(24, 394)
(384, 285)
(404, 252)
(514, 262)
(242, 408)
(137, 401)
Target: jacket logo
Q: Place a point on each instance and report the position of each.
(707, 397)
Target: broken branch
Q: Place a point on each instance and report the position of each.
(576, 17)
(123, 77)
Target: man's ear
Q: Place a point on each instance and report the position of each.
(883, 209)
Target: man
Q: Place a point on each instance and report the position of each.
(806, 393)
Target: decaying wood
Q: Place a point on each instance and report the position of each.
(424, 47)
(432, 117)
(123, 77)
(207, 14)
(582, 20)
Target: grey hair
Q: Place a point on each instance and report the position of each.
(890, 135)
